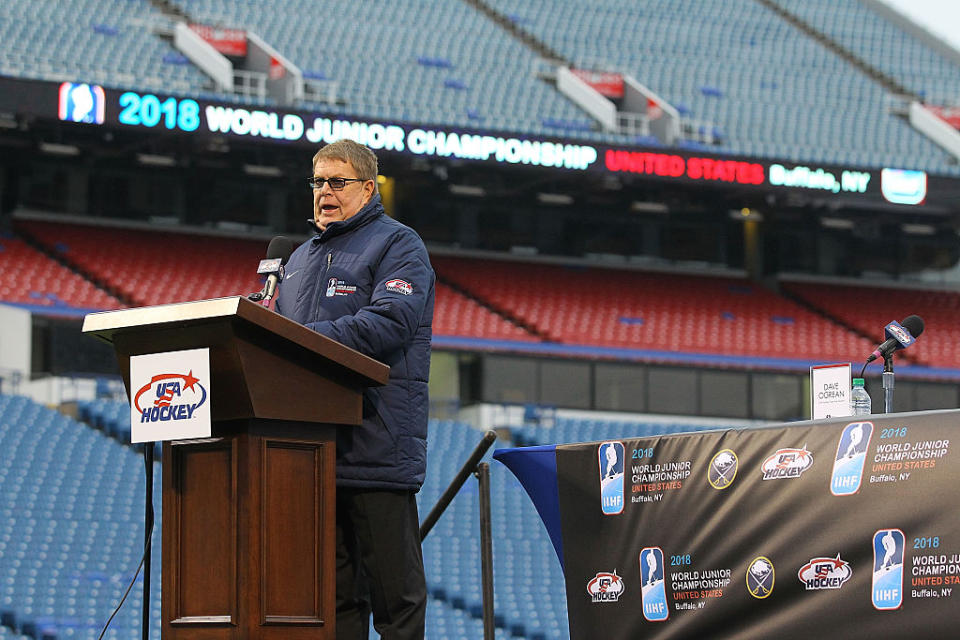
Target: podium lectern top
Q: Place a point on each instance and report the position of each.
(106, 325)
(271, 366)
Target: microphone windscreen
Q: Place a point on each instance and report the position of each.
(913, 324)
(280, 247)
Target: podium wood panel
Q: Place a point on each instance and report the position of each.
(291, 533)
(248, 536)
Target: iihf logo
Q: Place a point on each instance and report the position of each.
(851, 456)
(81, 103)
(605, 587)
(611, 477)
(787, 463)
(653, 594)
(169, 396)
(887, 592)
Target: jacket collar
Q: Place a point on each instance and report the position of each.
(370, 211)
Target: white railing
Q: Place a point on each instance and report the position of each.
(701, 131)
(320, 90)
(633, 124)
(252, 84)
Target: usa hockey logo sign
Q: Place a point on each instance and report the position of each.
(170, 395)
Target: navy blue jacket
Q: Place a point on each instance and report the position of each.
(367, 283)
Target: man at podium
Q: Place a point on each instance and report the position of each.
(365, 280)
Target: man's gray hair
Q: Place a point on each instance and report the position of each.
(355, 154)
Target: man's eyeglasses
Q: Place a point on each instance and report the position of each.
(337, 184)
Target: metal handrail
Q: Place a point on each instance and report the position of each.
(468, 468)
(481, 470)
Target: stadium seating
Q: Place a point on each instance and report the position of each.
(567, 430)
(109, 42)
(32, 278)
(451, 552)
(883, 45)
(869, 309)
(150, 269)
(71, 500)
(156, 267)
(778, 94)
(413, 60)
(458, 315)
(772, 90)
(595, 307)
(667, 312)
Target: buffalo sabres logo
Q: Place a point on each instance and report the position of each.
(760, 577)
(723, 469)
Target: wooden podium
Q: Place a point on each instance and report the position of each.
(248, 514)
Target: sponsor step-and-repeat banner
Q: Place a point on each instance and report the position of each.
(832, 529)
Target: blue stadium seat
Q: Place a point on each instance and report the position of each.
(74, 500)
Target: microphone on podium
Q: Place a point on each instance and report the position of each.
(278, 252)
(899, 336)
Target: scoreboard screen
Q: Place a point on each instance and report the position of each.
(94, 105)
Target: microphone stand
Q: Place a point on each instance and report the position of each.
(888, 383)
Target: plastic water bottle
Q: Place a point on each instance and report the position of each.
(859, 398)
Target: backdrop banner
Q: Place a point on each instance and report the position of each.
(837, 528)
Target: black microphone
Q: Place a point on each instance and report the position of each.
(899, 336)
(278, 252)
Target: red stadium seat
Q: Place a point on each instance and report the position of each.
(868, 312)
(457, 315)
(156, 267)
(629, 309)
(47, 283)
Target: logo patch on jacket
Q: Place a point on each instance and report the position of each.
(336, 287)
(399, 286)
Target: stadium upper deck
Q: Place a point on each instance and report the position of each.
(770, 89)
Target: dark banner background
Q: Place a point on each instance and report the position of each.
(790, 521)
